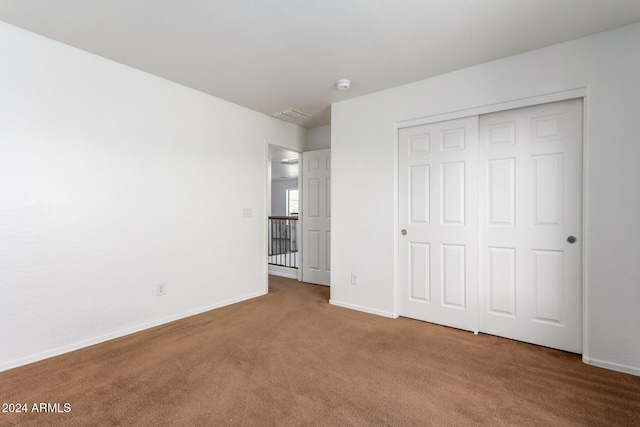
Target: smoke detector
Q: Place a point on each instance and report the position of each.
(343, 84)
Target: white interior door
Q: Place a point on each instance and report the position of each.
(505, 256)
(316, 216)
(438, 215)
(530, 203)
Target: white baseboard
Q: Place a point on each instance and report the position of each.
(120, 333)
(360, 308)
(612, 366)
(276, 270)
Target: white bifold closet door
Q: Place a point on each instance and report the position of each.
(492, 211)
(530, 212)
(438, 215)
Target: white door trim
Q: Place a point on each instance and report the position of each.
(493, 108)
(581, 92)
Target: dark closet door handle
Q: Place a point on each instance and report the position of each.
(571, 239)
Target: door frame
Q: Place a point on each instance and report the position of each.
(583, 93)
(267, 205)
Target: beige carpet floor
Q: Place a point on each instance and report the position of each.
(290, 358)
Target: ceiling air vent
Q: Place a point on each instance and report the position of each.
(291, 114)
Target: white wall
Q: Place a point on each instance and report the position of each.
(319, 138)
(111, 181)
(279, 195)
(365, 177)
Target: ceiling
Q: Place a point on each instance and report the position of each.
(282, 165)
(272, 55)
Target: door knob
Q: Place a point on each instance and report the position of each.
(571, 239)
(404, 232)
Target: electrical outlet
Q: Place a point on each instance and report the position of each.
(354, 279)
(161, 289)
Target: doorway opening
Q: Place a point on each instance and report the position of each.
(283, 228)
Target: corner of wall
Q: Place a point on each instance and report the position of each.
(319, 138)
